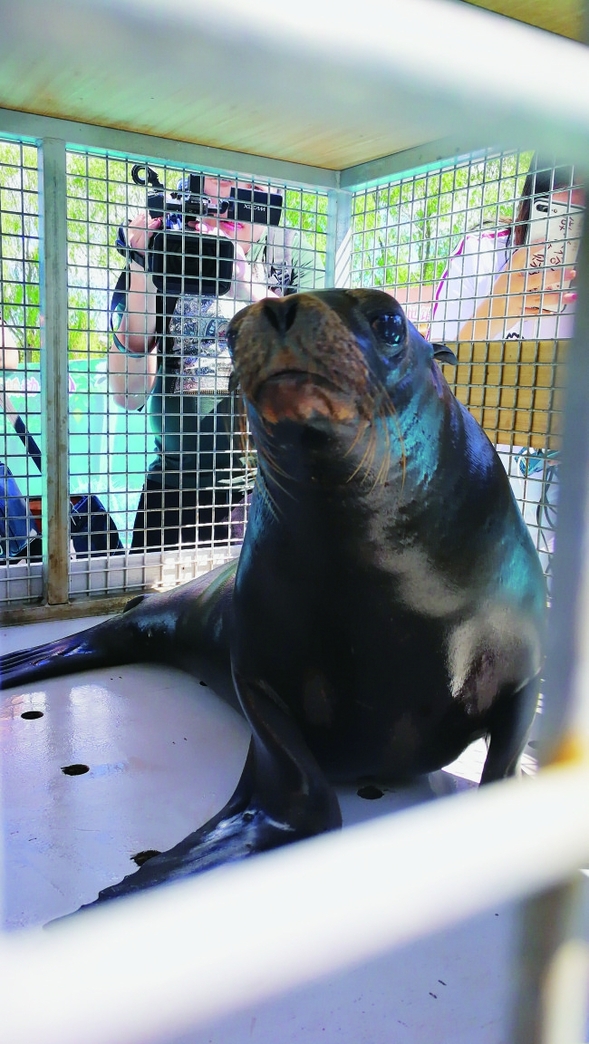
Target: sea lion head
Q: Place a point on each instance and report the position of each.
(328, 354)
(340, 390)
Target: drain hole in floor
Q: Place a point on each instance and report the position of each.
(370, 793)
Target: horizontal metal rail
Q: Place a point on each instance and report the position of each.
(159, 963)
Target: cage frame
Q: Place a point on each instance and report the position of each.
(566, 760)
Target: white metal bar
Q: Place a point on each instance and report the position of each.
(551, 968)
(451, 64)
(134, 145)
(339, 221)
(54, 373)
(431, 154)
(147, 968)
(303, 81)
(445, 55)
(547, 932)
(566, 717)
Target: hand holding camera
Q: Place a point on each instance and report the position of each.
(185, 252)
(140, 230)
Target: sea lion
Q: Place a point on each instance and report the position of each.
(387, 607)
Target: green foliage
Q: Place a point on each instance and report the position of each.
(19, 242)
(100, 197)
(404, 232)
(307, 212)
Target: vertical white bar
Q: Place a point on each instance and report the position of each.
(339, 223)
(550, 1007)
(566, 715)
(54, 366)
(551, 935)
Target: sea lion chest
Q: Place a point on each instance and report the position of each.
(372, 599)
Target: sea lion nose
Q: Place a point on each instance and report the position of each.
(281, 313)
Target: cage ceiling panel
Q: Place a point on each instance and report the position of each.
(292, 82)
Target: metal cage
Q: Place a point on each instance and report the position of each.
(393, 222)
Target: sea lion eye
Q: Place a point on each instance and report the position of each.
(231, 338)
(390, 328)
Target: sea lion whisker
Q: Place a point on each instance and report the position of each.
(360, 429)
(267, 497)
(272, 464)
(382, 408)
(265, 453)
(383, 470)
(370, 455)
(362, 464)
(385, 463)
(274, 471)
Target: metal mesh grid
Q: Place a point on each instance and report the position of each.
(183, 436)
(182, 427)
(20, 505)
(482, 257)
(438, 239)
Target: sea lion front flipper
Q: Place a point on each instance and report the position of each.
(94, 647)
(510, 720)
(282, 796)
(222, 839)
(185, 627)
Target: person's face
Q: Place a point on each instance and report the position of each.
(217, 190)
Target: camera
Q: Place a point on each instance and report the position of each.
(182, 260)
(189, 200)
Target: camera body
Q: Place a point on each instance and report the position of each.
(189, 201)
(182, 260)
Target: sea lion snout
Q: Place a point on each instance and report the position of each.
(297, 357)
(281, 312)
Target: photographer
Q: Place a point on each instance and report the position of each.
(169, 349)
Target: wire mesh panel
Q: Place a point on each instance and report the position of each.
(20, 424)
(481, 253)
(159, 259)
(103, 477)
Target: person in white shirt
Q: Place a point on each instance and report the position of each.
(513, 283)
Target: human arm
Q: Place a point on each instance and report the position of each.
(132, 359)
(304, 267)
(250, 278)
(467, 280)
(521, 290)
(8, 348)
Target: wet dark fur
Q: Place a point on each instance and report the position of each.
(387, 608)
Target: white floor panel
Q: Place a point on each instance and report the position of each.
(163, 754)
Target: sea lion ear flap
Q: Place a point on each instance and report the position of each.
(444, 354)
